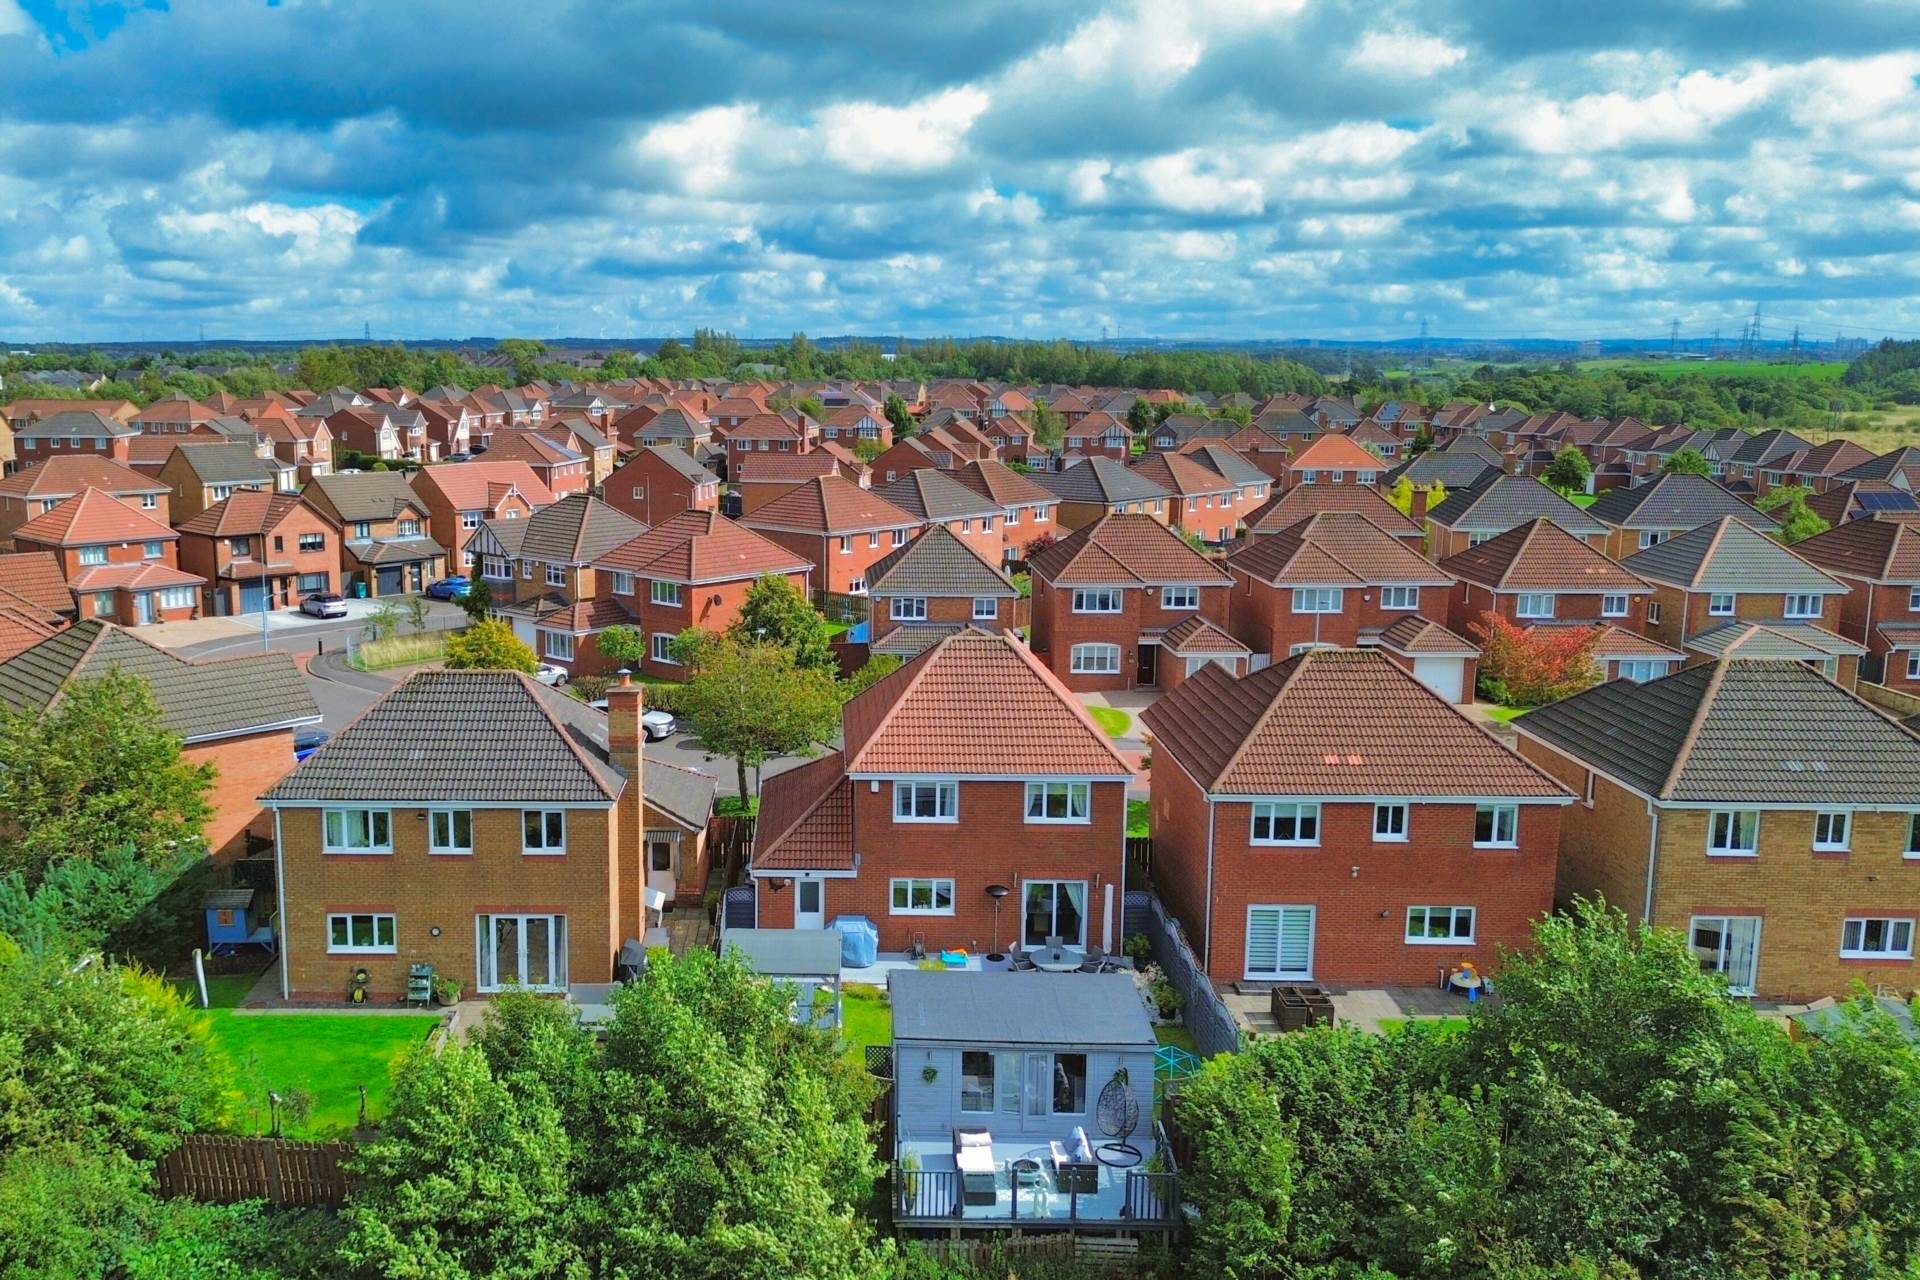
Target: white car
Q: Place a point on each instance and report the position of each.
(656, 725)
(547, 673)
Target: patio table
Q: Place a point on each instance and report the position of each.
(1057, 959)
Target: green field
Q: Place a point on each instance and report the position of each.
(1823, 371)
(323, 1056)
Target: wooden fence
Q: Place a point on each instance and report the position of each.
(225, 1170)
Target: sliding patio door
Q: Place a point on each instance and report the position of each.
(1729, 945)
(1280, 943)
(521, 951)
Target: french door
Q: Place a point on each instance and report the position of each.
(1729, 945)
(521, 951)
(1280, 943)
(1055, 908)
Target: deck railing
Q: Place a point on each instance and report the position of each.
(923, 1196)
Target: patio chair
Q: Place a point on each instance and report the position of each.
(1074, 1168)
(1095, 961)
(973, 1157)
(917, 948)
(1021, 962)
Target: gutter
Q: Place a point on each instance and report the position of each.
(1653, 849)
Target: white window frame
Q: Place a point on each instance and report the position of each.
(907, 609)
(1913, 837)
(371, 820)
(1651, 538)
(174, 597)
(547, 846)
(1302, 813)
(1641, 670)
(660, 648)
(1615, 604)
(986, 609)
(1096, 600)
(1528, 604)
(373, 919)
(1913, 664)
(1397, 816)
(1318, 600)
(448, 821)
(1080, 659)
(92, 555)
(1495, 812)
(1895, 930)
(1044, 792)
(622, 583)
(1723, 829)
(1429, 915)
(1653, 613)
(1913, 599)
(1399, 598)
(1180, 597)
(1801, 605)
(557, 644)
(946, 800)
(470, 519)
(1824, 834)
(1720, 604)
(932, 885)
(556, 575)
(1278, 974)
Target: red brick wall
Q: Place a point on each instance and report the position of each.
(1212, 523)
(940, 609)
(1471, 601)
(992, 843)
(663, 492)
(834, 570)
(713, 606)
(1261, 615)
(1056, 629)
(247, 767)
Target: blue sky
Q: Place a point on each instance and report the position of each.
(1182, 168)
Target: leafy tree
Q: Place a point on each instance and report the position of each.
(490, 645)
(1140, 417)
(777, 612)
(1788, 505)
(477, 603)
(622, 645)
(384, 621)
(97, 771)
(120, 901)
(1529, 666)
(1687, 462)
(868, 450)
(525, 354)
(895, 409)
(1422, 440)
(811, 406)
(1401, 495)
(752, 700)
(879, 666)
(1047, 426)
(1569, 470)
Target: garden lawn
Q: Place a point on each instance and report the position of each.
(866, 1019)
(1178, 1036)
(1111, 719)
(1504, 714)
(325, 1055)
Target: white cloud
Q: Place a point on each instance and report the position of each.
(1186, 182)
(1402, 51)
(867, 137)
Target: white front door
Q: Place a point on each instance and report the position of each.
(521, 951)
(1280, 943)
(809, 904)
(1729, 945)
(144, 601)
(662, 854)
(1445, 676)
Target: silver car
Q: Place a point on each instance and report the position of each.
(324, 605)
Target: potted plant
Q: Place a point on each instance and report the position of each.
(446, 991)
(1166, 997)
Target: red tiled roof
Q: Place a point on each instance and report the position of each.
(806, 819)
(1540, 556)
(577, 616)
(1414, 634)
(525, 446)
(34, 578)
(471, 486)
(93, 516)
(788, 468)
(1003, 484)
(1177, 473)
(1336, 548)
(980, 704)
(1335, 453)
(701, 546)
(829, 504)
(1126, 548)
(142, 577)
(766, 426)
(1304, 500)
(1194, 634)
(22, 628)
(248, 511)
(1334, 722)
(1879, 549)
(64, 476)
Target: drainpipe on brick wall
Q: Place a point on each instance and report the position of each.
(280, 892)
(1653, 847)
(1206, 951)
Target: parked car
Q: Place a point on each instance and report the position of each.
(656, 725)
(550, 674)
(308, 741)
(448, 589)
(458, 457)
(324, 605)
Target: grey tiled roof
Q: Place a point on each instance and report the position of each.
(1729, 555)
(226, 463)
(578, 529)
(1099, 480)
(198, 700)
(485, 737)
(1673, 502)
(370, 495)
(914, 639)
(932, 494)
(1454, 470)
(683, 794)
(1509, 502)
(937, 563)
(1088, 1010)
(1736, 731)
(1801, 640)
(680, 460)
(74, 422)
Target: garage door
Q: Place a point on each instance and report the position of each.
(392, 580)
(253, 597)
(1444, 676)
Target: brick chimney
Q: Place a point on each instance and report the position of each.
(1417, 508)
(626, 744)
(1511, 461)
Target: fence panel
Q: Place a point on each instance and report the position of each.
(1205, 1014)
(224, 1170)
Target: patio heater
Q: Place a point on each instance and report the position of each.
(997, 892)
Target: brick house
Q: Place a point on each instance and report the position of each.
(1858, 499)
(38, 489)
(480, 823)
(658, 483)
(462, 496)
(1331, 460)
(1098, 435)
(1466, 518)
(382, 526)
(842, 529)
(1027, 508)
(1538, 573)
(935, 497)
(693, 570)
(541, 571)
(1201, 501)
(1012, 439)
(1726, 588)
(921, 813)
(1095, 488)
(1755, 805)
(1327, 582)
(762, 477)
(561, 469)
(577, 435)
(1105, 597)
(1290, 506)
(788, 431)
(259, 551)
(202, 474)
(68, 432)
(34, 600)
(1665, 507)
(934, 586)
(307, 443)
(857, 424)
(1330, 819)
(238, 714)
(121, 564)
(1878, 560)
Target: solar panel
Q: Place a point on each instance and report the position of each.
(1884, 501)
